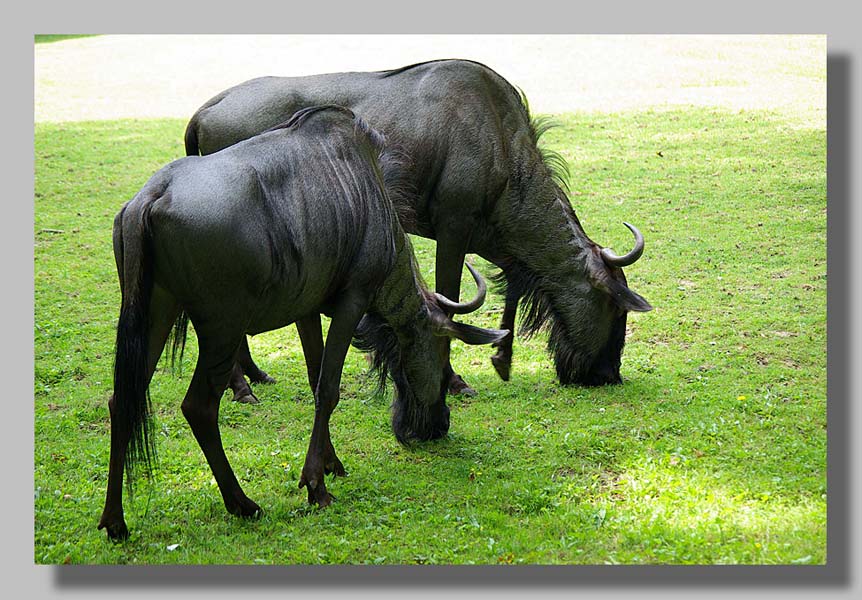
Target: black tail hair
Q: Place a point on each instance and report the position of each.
(131, 415)
(177, 339)
(191, 138)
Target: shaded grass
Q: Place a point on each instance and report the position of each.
(713, 451)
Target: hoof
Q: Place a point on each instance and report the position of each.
(261, 378)
(459, 387)
(317, 493)
(322, 500)
(253, 515)
(335, 468)
(245, 508)
(502, 365)
(117, 532)
(246, 399)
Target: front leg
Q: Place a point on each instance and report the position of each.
(502, 360)
(321, 459)
(449, 262)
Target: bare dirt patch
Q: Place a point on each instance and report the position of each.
(154, 76)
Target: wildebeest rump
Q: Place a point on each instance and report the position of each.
(483, 186)
(275, 230)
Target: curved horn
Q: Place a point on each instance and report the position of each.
(461, 308)
(613, 260)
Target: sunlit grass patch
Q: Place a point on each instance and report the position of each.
(673, 512)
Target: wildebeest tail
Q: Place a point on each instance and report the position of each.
(131, 416)
(191, 138)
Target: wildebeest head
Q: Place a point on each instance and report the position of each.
(614, 302)
(586, 320)
(413, 354)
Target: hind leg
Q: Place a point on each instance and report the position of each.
(241, 389)
(254, 373)
(311, 336)
(216, 361)
(163, 311)
(244, 366)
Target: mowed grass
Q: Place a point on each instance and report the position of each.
(713, 451)
(52, 37)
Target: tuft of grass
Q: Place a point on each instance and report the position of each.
(713, 451)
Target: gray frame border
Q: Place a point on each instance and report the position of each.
(732, 16)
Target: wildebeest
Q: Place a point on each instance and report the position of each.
(275, 230)
(483, 186)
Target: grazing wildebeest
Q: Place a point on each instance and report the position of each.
(484, 186)
(276, 230)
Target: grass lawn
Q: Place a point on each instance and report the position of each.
(713, 451)
(54, 37)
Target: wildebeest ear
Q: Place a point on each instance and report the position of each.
(632, 301)
(475, 335)
(619, 292)
(623, 296)
(443, 325)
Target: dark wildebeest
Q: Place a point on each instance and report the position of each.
(276, 230)
(483, 185)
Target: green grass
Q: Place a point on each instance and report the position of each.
(47, 38)
(712, 452)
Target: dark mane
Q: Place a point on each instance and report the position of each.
(297, 118)
(537, 303)
(399, 70)
(377, 338)
(539, 312)
(516, 278)
(394, 162)
(556, 164)
(395, 165)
